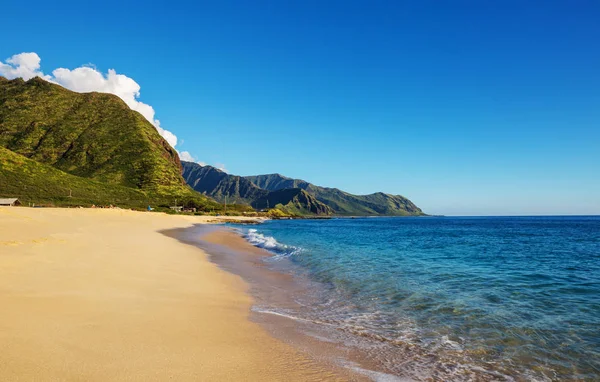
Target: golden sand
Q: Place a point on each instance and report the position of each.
(101, 295)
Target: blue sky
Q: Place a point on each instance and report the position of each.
(465, 107)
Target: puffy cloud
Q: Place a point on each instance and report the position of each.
(86, 79)
(187, 157)
(25, 65)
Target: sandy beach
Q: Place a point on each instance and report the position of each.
(102, 295)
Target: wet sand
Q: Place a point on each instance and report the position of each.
(287, 303)
(102, 295)
(270, 288)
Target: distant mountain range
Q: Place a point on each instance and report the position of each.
(261, 191)
(66, 148)
(230, 189)
(341, 202)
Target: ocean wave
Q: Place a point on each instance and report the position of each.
(269, 243)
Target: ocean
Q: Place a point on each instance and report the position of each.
(447, 298)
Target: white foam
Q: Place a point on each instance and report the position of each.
(376, 376)
(448, 343)
(260, 240)
(269, 243)
(288, 316)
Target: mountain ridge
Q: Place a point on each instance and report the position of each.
(342, 202)
(227, 188)
(254, 190)
(97, 136)
(218, 184)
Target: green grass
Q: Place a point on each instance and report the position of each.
(63, 148)
(91, 135)
(294, 201)
(34, 182)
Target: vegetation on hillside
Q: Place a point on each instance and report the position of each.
(221, 186)
(274, 190)
(34, 182)
(235, 189)
(342, 203)
(66, 148)
(91, 135)
(293, 200)
(60, 147)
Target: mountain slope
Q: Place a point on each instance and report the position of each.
(38, 183)
(293, 200)
(343, 203)
(236, 189)
(218, 184)
(91, 135)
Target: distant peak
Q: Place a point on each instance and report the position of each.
(194, 163)
(279, 175)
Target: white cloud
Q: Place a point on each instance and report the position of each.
(86, 79)
(187, 157)
(221, 167)
(25, 65)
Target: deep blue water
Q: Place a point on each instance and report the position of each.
(518, 297)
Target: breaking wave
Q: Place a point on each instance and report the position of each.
(269, 243)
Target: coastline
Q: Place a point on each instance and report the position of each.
(274, 293)
(101, 295)
(488, 306)
(285, 301)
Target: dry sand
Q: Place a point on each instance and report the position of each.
(101, 295)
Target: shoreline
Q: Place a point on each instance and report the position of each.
(289, 305)
(103, 295)
(233, 254)
(274, 293)
(410, 332)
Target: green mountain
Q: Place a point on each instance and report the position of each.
(293, 200)
(236, 189)
(91, 145)
(91, 135)
(343, 203)
(293, 195)
(219, 185)
(39, 183)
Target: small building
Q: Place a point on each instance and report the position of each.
(9, 202)
(177, 208)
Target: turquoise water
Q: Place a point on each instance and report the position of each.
(502, 297)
